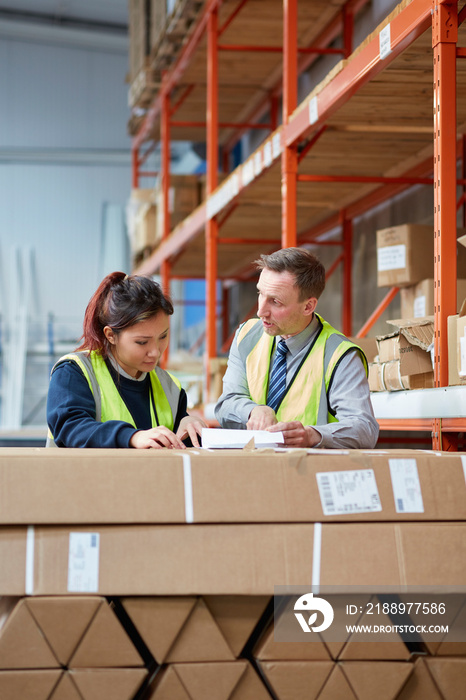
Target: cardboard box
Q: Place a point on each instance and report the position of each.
(22, 643)
(405, 255)
(217, 369)
(188, 629)
(449, 675)
(228, 679)
(63, 621)
(33, 685)
(66, 689)
(410, 343)
(418, 300)
(183, 198)
(105, 644)
(267, 649)
(146, 486)
(178, 630)
(358, 680)
(368, 346)
(242, 559)
(420, 685)
(386, 376)
(457, 348)
(114, 683)
(404, 359)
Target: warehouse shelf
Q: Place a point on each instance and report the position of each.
(304, 179)
(445, 402)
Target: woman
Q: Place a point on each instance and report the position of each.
(110, 392)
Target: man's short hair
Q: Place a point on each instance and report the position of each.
(308, 271)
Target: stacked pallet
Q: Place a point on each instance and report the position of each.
(157, 31)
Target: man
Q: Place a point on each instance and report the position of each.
(290, 371)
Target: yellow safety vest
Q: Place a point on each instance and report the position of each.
(305, 399)
(109, 404)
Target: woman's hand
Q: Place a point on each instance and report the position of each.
(191, 426)
(156, 438)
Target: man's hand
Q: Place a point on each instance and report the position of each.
(192, 426)
(261, 418)
(296, 434)
(155, 438)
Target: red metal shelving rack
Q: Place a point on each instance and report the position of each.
(301, 130)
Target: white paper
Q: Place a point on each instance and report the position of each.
(462, 371)
(420, 306)
(463, 461)
(406, 486)
(348, 492)
(313, 110)
(215, 438)
(385, 48)
(83, 562)
(391, 257)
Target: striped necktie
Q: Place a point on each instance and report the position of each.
(277, 383)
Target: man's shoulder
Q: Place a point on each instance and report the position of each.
(251, 326)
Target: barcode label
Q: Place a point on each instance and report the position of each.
(83, 562)
(348, 492)
(406, 486)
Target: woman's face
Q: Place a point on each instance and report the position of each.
(138, 349)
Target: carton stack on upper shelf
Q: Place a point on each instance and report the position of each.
(145, 212)
(405, 259)
(157, 31)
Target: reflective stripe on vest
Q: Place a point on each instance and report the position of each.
(109, 404)
(305, 399)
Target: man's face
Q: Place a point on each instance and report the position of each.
(279, 307)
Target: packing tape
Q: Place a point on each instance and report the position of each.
(188, 489)
(382, 376)
(29, 583)
(463, 460)
(400, 378)
(316, 557)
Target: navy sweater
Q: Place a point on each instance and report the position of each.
(71, 409)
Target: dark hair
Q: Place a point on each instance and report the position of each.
(308, 271)
(119, 302)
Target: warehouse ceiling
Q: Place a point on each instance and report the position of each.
(102, 15)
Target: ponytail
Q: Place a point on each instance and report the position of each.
(119, 302)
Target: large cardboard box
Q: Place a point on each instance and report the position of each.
(418, 300)
(236, 559)
(227, 486)
(405, 255)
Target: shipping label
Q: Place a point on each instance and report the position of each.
(406, 486)
(391, 257)
(348, 492)
(83, 562)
